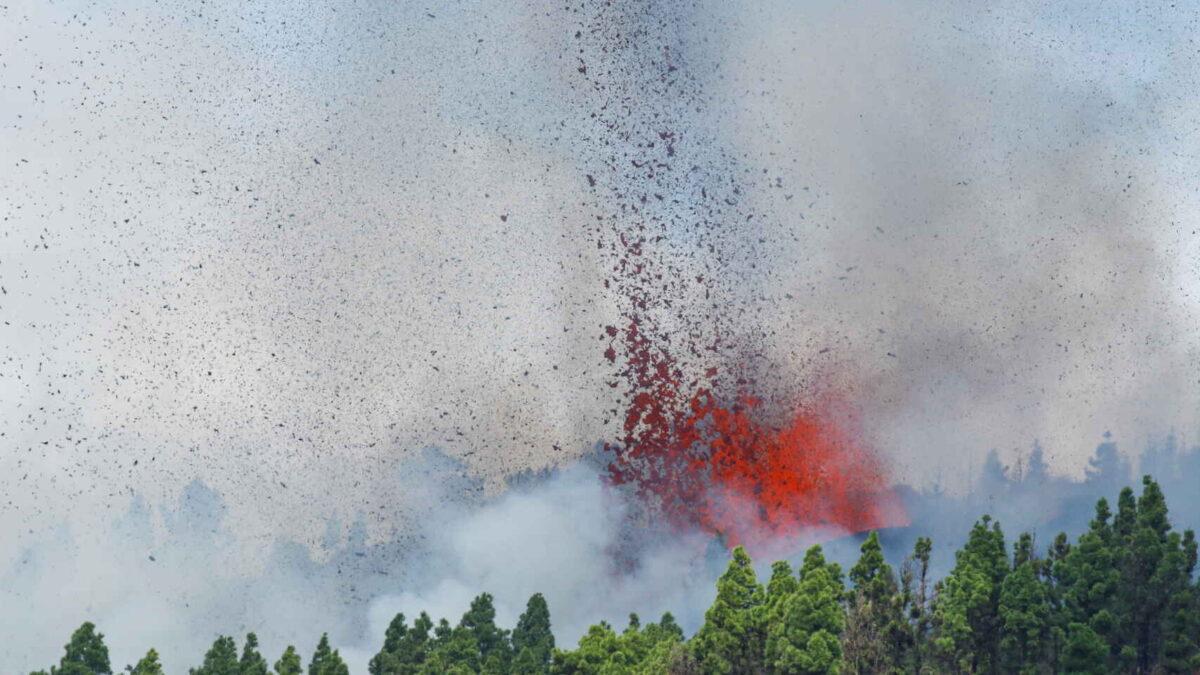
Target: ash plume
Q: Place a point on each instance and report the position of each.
(255, 258)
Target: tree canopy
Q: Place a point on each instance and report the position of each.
(1123, 597)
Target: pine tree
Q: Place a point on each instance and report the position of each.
(252, 662)
(326, 661)
(85, 653)
(967, 613)
(649, 650)
(1084, 580)
(729, 640)
(480, 622)
(525, 663)
(1153, 568)
(454, 650)
(149, 665)
(599, 651)
(1086, 653)
(221, 658)
(1181, 629)
(805, 635)
(915, 600)
(876, 638)
(1055, 589)
(388, 661)
(782, 582)
(1023, 552)
(404, 649)
(532, 640)
(1024, 617)
(289, 663)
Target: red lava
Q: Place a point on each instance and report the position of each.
(715, 465)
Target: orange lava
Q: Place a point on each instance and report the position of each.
(720, 468)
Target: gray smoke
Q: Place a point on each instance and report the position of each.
(174, 578)
(268, 252)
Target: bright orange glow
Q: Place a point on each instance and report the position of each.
(718, 467)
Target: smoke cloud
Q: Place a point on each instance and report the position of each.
(175, 577)
(253, 259)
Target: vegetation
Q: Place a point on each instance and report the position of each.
(1121, 598)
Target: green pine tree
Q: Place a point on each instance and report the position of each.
(1155, 572)
(599, 651)
(454, 650)
(149, 665)
(84, 654)
(289, 663)
(491, 641)
(1088, 573)
(326, 661)
(387, 661)
(1086, 653)
(730, 641)
(876, 637)
(532, 640)
(1024, 617)
(252, 662)
(221, 658)
(805, 636)
(967, 615)
(915, 599)
(404, 649)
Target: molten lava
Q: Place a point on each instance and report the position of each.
(717, 466)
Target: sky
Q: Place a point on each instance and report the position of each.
(286, 247)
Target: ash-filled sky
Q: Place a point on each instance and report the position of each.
(283, 246)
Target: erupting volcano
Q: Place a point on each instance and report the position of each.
(704, 440)
(717, 465)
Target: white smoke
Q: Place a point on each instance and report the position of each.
(174, 579)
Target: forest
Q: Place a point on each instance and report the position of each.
(1121, 597)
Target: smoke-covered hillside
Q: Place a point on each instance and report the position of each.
(175, 577)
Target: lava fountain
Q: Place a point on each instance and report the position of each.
(716, 465)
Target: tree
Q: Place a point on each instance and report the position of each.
(914, 580)
(1052, 575)
(1088, 573)
(599, 651)
(387, 661)
(149, 665)
(84, 654)
(221, 658)
(1085, 578)
(649, 650)
(967, 613)
(454, 650)
(876, 637)
(864, 647)
(480, 622)
(252, 663)
(404, 649)
(1122, 598)
(532, 640)
(781, 584)
(1024, 619)
(1023, 551)
(1086, 653)
(326, 661)
(804, 637)
(289, 663)
(1181, 645)
(729, 641)
(1155, 567)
